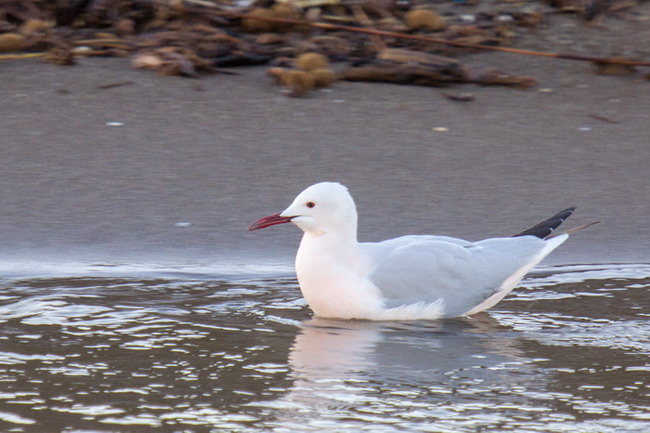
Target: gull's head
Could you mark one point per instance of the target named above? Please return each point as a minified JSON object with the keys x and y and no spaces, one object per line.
{"x":322,"y":208}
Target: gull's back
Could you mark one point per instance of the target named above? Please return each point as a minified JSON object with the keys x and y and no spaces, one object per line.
{"x":463,"y":274}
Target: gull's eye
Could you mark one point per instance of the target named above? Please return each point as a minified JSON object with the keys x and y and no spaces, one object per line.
{"x":310,"y":204}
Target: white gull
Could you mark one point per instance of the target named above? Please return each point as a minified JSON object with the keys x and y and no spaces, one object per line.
{"x":406,"y":278}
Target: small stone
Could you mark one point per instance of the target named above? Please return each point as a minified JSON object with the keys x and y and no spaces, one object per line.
{"x":80,"y":50}
{"x":147,"y":61}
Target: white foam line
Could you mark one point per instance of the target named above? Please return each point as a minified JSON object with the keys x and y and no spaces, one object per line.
{"x":218,"y":270}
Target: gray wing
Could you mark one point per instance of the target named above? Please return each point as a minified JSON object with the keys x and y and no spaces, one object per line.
{"x":463,"y":274}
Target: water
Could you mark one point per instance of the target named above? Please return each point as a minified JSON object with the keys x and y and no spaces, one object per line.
{"x":208,"y":350}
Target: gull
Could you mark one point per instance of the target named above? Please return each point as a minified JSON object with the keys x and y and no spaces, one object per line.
{"x":416,"y":277}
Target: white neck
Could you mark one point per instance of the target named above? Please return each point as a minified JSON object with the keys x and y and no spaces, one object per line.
{"x":332,"y":272}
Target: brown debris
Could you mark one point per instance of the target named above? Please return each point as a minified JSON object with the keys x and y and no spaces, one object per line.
{"x":149,"y":61}
{"x":11,"y":42}
{"x":603,"y":118}
{"x":460,"y":97}
{"x":299,"y":82}
{"x":403,"y":73}
{"x":172,"y":61}
{"x":278,"y":73}
{"x":34,"y":26}
{"x":409,"y":56}
{"x":592,"y":10}
{"x":113,"y":85}
{"x":311,"y":61}
{"x":270,"y":38}
{"x":495,"y":77}
{"x":407,"y":67}
{"x":602,"y":68}
{"x":279,"y":11}
{"x":324,"y":77}
{"x":330,"y":45}
{"x":61,"y":55}
{"x":255,"y":25}
{"x":530,"y":19}
{"x":424,"y":19}
{"x":124,"y":26}
{"x":385,"y":41}
{"x":311,"y":71}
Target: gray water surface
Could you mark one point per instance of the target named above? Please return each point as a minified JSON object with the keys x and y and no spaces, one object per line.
{"x":196,"y":350}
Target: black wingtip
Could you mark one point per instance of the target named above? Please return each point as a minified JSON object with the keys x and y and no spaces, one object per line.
{"x":546,"y":227}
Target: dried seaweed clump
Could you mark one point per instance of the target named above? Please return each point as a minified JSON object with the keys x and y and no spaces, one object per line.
{"x":310,"y":71}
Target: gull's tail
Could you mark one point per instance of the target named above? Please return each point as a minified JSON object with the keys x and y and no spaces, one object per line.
{"x":544,"y":229}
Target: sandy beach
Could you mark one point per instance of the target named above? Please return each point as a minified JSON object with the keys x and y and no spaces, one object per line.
{"x":176,"y":169}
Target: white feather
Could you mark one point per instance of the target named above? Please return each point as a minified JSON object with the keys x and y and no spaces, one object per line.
{"x":408,"y":278}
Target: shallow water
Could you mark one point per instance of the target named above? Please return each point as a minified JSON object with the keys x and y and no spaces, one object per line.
{"x":208,"y":350}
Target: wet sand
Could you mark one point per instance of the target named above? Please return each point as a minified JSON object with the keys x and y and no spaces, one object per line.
{"x":220,"y":152}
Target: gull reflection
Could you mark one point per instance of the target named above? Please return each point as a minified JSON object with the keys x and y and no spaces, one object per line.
{"x":332,"y":347}
{"x":347,"y":369}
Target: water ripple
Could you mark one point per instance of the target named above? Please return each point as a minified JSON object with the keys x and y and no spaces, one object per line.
{"x":189,"y":350}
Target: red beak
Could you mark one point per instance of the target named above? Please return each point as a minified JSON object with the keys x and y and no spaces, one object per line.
{"x":269,"y":221}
